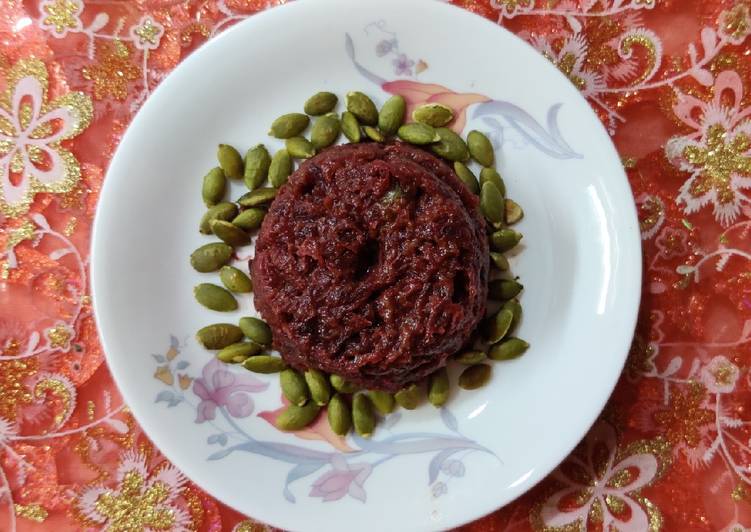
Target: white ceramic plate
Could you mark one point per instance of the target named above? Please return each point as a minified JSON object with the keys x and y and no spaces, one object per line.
{"x":425,"y":469}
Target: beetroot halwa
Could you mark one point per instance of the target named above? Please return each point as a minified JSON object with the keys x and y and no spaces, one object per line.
{"x":372,"y":264}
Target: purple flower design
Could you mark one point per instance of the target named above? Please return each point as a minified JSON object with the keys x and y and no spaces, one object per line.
{"x":219,"y":387}
{"x":403,"y":65}
{"x":385,"y":46}
{"x":342,"y":479}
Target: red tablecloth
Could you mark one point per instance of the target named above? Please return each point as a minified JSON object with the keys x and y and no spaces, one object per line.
{"x":671,"y":80}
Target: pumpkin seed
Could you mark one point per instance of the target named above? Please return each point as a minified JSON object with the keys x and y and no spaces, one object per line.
{"x":341,"y":385}
{"x":363,"y":108}
{"x":383,"y":401}
{"x":325,"y":131}
{"x":500,"y":261}
{"x":480,"y":148}
{"x":508,"y":349}
{"x":265,"y":364}
{"x":392,"y":114}
{"x":438,"y":387}
{"x":339,"y":415}
{"x":219,"y":335}
{"x":470,"y":358}
{"x":498,"y":326}
{"x":300,"y":148}
{"x":214,"y":186}
{"x":516,"y":309}
{"x":505,"y":239}
{"x":418,"y":134}
{"x":318,"y":384}
{"x":466,"y":176}
{"x":363,"y":416}
{"x":373,"y":134}
{"x":475,"y":377}
{"x":491,"y":202}
{"x":257,"y":162}
{"x":215,"y":297}
{"x":249,"y":219}
{"x":320,"y":103}
{"x":280,"y":169}
{"x":221,"y":211}
{"x":230,"y":233}
{"x":256,"y":330}
{"x":514,"y":212}
{"x":503,"y":289}
{"x":296,"y":417}
{"x":289,"y":125}
{"x":211,"y":257}
{"x":351,"y":127}
{"x":433,"y":114}
{"x":451,"y":146}
{"x":294,"y":387}
{"x":259,"y":196}
{"x":238,"y":352}
{"x":235,"y":280}
{"x":492,"y":175}
{"x":408,"y":397}
{"x":230,"y":161}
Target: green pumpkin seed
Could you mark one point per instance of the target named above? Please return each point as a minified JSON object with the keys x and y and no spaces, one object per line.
{"x":318,"y":384}
{"x":480,"y":148}
{"x":215,"y":297}
{"x":373,"y":134}
{"x":214,"y":186}
{"x":470,"y":358}
{"x":300,"y":148}
{"x":259,"y":196}
{"x":451,"y":146}
{"x":265,"y":364}
{"x":408,"y":397}
{"x":249,"y":219}
{"x":491,"y":202}
{"x":363,"y":108}
{"x":339,"y":415}
{"x":467,"y":177}
{"x":289,"y":125}
{"x":418,"y":134}
{"x":433,"y":114}
{"x":235,"y":280}
{"x":492,"y":175}
{"x":296,"y":417}
{"x":221,"y":211}
{"x":515,"y":307}
{"x":383,"y":401}
{"x":325,"y":131}
{"x":363,"y":416}
{"x":238,"y":352}
{"x":294,"y":387}
{"x":392,"y":115}
{"x":508,"y":349}
{"x":230,"y":233}
{"x":475,"y":377}
{"x":505,"y":239}
{"x":503,"y":289}
{"x":256,"y":330}
{"x":500,"y":261}
{"x":211,"y":257}
{"x":219,"y":335}
{"x":341,"y":385}
{"x":514,"y":212}
{"x":280,"y":169}
{"x":351,"y":127}
{"x":230,"y":161}
{"x":320,"y":103}
{"x":498,"y":326}
{"x":438,"y":387}
{"x":257,"y":162}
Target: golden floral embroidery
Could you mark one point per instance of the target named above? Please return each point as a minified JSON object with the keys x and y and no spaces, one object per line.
{"x":135,"y":507}
{"x":13,"y":390}
{"x":147,"y":34}
{"x":33,"y":512}
{"x":62,"y":15}
{"x":113,"y":71}
{"x":735,"y":24}
{"x":685,"y":416}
